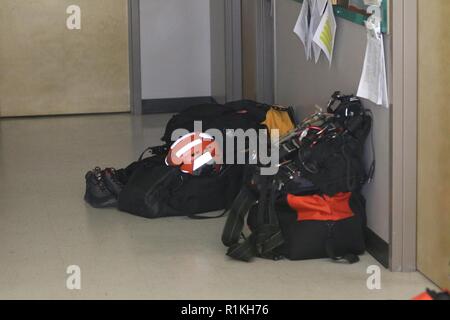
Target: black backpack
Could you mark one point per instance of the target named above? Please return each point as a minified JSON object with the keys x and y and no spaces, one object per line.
{"x":336,"y":163}
{"x":330,"y":164}
{"x":276,"y":233}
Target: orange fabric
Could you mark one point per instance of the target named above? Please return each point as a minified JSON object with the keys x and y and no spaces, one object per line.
{"x":423,"y":297}
{"x":322,"y":208}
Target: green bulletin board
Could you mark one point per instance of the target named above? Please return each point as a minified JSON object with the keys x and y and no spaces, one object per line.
{"x":359,"y":18}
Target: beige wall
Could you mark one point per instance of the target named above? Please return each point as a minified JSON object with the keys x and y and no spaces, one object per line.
{"x":47,"y":69}
{"x":434,"y":141}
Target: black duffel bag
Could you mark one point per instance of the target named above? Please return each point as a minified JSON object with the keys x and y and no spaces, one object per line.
{"x":243,"y":115}
{"x":154,"y":190}
{"x":342,"y":240}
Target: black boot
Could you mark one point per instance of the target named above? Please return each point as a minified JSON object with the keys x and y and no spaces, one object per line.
{"x":97,"y":194}
{"x":113,"y":181}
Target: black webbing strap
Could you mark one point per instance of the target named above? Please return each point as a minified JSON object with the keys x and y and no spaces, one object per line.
{"x":266,"y":237}
{"x":261,"y":243}
{"x":236,"y":217}
{"x":352,"y":183}
{"x":242,"y":251}
{"x":199,"y":216}
{"x":158,"y":150}
{"x":245,"y":251}
{"x":267,"y":234}
{"x":270,"y":234}
{"x":350,"y":258}
{"x":264,"y":184}
{"x":373,"y":165}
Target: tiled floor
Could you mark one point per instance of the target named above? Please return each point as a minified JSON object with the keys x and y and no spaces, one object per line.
{"x":45,"y":227}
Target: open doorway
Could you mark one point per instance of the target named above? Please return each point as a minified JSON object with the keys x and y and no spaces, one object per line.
{"x":184,"y":53}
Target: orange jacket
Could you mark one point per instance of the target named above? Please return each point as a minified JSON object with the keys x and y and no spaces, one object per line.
{"x":322,"y":208}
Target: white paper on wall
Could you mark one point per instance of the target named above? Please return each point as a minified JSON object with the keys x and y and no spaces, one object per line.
{"x":301,"y":29}
{"x":373,"y":84}
{"x":326,"y":33}
{"x":316,"y":16}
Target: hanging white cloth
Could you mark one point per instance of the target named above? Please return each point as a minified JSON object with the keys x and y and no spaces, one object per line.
{"x":373,"y":84}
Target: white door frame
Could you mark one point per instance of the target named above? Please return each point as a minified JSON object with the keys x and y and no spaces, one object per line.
{"x":403,"y":255}
{"x":233,"y":49}
{"x":265,"y":51}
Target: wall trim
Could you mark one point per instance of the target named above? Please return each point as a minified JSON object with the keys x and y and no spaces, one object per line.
{"x":377,"y":247}
{"x":134,"y":43}
{"x":265,"y":52}
{"x":173,"y":105}
{"x":233,"y":50}
{"x":403,"y":255}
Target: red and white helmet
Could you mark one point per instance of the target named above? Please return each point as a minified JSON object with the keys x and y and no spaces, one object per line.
{"x":195,"y":154}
